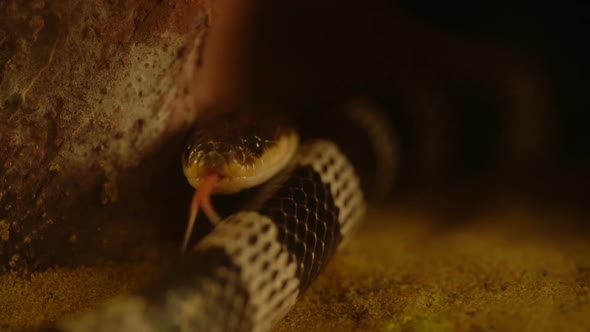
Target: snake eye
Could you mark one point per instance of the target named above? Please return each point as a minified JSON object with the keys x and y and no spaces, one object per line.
{"x":255,"y":145}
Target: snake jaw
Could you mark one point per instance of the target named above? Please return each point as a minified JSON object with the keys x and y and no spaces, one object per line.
{"x":202,"y":198}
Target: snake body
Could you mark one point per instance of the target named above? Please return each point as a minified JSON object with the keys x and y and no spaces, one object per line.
{"x":250,"y":270}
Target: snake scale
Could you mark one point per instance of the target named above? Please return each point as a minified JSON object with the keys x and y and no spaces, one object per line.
{"x":252,"y":267}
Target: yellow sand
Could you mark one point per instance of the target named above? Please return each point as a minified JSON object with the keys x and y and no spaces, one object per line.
{"x":508,"y":270}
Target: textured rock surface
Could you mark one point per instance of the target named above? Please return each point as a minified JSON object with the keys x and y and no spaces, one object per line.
{"x":89,"y":91}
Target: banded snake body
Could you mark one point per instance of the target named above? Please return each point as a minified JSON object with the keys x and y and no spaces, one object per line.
{"x":251,"y":268}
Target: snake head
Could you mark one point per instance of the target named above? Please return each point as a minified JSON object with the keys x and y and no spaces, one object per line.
{"x":243,"y":150}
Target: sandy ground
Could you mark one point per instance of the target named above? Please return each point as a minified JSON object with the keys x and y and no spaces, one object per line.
{"x":510,"y":270}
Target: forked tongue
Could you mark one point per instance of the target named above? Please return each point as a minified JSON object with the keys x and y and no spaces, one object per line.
{"x":201,"y":198}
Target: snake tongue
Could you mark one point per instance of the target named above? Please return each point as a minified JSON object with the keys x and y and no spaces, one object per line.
{"x":201,"y":198}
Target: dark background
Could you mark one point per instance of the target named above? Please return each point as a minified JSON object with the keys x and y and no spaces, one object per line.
{"x":551,"y":36}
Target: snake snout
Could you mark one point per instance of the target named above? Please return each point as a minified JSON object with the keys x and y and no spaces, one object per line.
{"x":202,"y":163}
{"x":213,"y":161}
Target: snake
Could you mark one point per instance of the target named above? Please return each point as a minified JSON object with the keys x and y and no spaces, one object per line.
{"x":308,"y":182}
